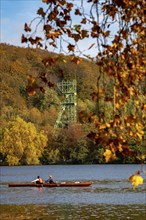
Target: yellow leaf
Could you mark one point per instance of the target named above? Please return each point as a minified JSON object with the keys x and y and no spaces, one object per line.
{"x":102,"y":126}
{"x":139,"y":126}
{"x":142,"y":156}
{"x":75,"y":60}
{"x":64,"y":61}
{"x":120,"y":148}
{"x":128,"y":124}
{"x":118,"y":105}
{"x":121,"y":127}
{"x":31,"y":79}
{"x":136,"y":180}
{"x":137,"y":102}
{"x":139,"y":135}
{"x":108,"y":155}
{"x":131,"y":91}
{"x":108,"y":125}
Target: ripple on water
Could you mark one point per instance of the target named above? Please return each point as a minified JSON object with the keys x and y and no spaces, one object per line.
{"x":73,"y":212}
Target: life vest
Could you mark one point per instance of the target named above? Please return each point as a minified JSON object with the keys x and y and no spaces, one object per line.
{"x":40,"y":180}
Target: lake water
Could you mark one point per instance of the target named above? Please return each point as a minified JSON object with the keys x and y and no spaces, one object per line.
{"x":109,"y":197}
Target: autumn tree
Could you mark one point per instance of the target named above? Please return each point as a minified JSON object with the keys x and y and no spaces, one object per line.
{"x":115,"y":30}
{"x":21,"y":143}
{"x":71,"y":144}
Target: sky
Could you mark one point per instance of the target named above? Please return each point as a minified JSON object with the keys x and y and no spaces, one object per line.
{"x":15,"y":13}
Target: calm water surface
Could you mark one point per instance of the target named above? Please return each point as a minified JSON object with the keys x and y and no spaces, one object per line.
{"x":110,"y":197}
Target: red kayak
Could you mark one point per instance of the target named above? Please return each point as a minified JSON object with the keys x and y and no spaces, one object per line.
{"x":61,"y":184}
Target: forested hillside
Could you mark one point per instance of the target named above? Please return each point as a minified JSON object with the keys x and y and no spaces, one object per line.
{"x":28,"y":117}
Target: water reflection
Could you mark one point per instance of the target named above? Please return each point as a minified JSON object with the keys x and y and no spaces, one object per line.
{"x":70,"y":212}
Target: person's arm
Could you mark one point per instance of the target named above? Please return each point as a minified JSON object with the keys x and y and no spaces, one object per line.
{"x":34,"y":180}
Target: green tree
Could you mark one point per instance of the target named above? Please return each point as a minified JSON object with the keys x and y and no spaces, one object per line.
{"x":79,"y":152}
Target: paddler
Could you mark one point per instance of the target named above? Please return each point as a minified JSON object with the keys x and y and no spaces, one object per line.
{"x":38,"y":180}
{"x":50,"y":180}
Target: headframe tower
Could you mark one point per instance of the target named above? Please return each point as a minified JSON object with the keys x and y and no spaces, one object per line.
{"x":68,"y":113}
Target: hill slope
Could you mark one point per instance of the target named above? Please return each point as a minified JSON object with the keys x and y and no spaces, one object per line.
{"x":95,"y":97}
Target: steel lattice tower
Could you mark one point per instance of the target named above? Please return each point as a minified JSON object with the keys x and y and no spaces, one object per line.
{"x":67,"y":112}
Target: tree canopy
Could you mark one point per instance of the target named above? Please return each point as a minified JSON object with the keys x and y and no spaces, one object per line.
{"x":21,"y":143}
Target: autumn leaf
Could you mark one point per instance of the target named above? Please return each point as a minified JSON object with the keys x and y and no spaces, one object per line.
{"x":143,"y":157}
{"x":106,"y":34}
{"x":47,"y":28}
{"x":69,"y":6}
{"x":131,"y":91}
{"x":23,"y":39}
{"x":49,"y":1}
{"x":60,"y":23}
{"x":140,"y":132}
{"x":76,"y":37}
{"x":53,"y":44}
{"x":31,"y":79}
{"x":67,"y":17}
{"x":45,"y":1}
{"x":38,"y":39}
{"x":84,"y":33}
{"x":71,"y":47}
{"x":49,"y":61}
{"x":120,"y":148}
{"x":41,"y":12}
{"x":136,"y":180}
{"x":109,"y":156}
{"x":84,"y":21}
{"x":77,"y":28}
{"x":120,"y":3}
{"x":77,"y":12}
{"x":35,"y":41}
{"x":64,"y":60}
{"x":76,"y":60}
{"x":31,"y":91}
{"x":144,"y":107}
{"x":27,"y":28}
{"x":32,"y":85}
{"x":139,"y":135}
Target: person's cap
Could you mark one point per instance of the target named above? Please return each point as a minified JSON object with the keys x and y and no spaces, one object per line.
{"x":50,"y":176}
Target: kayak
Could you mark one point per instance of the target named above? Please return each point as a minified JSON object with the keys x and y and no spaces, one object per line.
{"x":61,"y":184}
